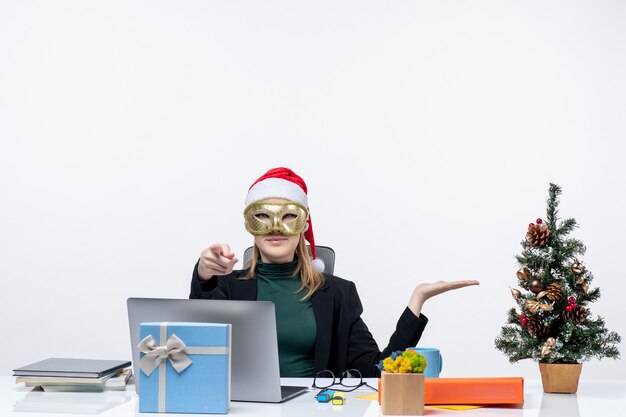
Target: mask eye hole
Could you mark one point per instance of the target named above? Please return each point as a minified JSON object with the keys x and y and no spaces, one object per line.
{"x":262,"y":217}
{"x":289,"y":217}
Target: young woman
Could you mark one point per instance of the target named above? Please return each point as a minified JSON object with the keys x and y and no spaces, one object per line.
{"x":318,"y":316}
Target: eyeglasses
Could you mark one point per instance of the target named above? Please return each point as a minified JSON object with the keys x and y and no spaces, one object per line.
{"x":351,"y":379}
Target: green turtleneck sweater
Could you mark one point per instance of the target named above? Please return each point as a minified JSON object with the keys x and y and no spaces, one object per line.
{"x":295,"y":322}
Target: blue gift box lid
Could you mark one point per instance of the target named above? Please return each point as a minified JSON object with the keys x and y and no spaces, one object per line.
{"x":212,"y":334}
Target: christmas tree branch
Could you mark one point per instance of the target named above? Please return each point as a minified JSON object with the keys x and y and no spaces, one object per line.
{"x":566,"y":227}
{"x":553,"y":203}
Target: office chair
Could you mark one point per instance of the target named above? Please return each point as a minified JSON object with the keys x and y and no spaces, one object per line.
{"x":324,"y":253}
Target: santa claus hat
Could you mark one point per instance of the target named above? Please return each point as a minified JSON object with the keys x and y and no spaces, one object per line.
{"x":284,"y":183}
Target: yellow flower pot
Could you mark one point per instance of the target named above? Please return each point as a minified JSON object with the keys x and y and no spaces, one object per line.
{"x":402,"y":394}
{"x":560,"y":377}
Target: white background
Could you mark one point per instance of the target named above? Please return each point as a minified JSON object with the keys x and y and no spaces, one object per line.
{"x":427,"y":132}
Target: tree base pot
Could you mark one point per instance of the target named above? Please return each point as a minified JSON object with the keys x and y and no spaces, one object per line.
{"x":560,"y":377}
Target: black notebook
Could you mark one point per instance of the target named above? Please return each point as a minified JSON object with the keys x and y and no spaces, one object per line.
{"x":70,"y":367}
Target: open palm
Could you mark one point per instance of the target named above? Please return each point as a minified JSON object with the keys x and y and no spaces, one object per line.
{"x":427,"y":290}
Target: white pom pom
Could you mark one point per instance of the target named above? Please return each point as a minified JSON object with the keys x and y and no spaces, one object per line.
{"x":318,"y":265}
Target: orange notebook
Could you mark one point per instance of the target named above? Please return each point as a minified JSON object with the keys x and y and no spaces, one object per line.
{"x":468,"y":391}
{"x":471,"y":391}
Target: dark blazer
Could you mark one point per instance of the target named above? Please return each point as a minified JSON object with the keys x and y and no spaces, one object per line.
{"x":342,"y":340}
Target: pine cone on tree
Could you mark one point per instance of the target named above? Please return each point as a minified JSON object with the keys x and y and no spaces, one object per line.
{"x":536,"y":327}
{"x":578,"y":314}
{"x":553,"y":292}
{"x":538,"y":234}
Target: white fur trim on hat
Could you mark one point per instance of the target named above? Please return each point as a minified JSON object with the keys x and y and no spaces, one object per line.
{"x":318,"y":265}
{"x":276,"y":188}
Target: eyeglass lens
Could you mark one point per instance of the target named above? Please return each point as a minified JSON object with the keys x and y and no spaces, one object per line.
{"x":324,"y":379}
{"x":351,"y":378}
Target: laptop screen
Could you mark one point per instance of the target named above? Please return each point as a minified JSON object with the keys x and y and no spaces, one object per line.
{"x":255,"y":369}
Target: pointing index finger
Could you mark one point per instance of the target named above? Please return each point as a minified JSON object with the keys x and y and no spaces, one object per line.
{"x":216,"y":248}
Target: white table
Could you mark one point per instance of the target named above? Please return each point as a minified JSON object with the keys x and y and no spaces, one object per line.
{"x":594,"y":399}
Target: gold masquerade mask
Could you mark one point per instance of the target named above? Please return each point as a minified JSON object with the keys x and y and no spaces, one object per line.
{"x":289,"y":218}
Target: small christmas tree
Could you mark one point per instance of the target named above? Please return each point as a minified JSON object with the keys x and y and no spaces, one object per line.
{"x":554,"y":322}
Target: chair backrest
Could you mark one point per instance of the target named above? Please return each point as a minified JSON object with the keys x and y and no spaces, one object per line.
{"x":324,"y":253}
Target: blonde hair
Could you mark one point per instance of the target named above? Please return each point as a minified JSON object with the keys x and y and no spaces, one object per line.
{"x":310,"y":278}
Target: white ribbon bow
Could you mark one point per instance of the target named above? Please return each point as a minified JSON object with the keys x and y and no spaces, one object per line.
{"x":174,"y":350}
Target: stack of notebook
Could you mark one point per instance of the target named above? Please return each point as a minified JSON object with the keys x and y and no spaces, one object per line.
{"x":68,"y":374}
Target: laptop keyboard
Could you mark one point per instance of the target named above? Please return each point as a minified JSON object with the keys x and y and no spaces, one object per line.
{"x":287,"y":391}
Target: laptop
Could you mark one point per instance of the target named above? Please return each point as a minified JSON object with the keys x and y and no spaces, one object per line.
{"x":255,"y":374}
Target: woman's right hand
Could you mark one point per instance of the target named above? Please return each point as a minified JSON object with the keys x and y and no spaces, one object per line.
{"x":217,"y":259}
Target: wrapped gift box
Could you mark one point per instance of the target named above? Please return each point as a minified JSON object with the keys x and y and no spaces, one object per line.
{"x":470,"y":391}
{"x":497,"y":390}
{"x":192,"y":377}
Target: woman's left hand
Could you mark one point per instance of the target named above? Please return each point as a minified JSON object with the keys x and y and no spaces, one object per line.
{"x":425,"y":291}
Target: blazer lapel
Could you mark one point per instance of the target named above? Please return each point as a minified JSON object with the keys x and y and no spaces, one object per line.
{"x":322,"y":303}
